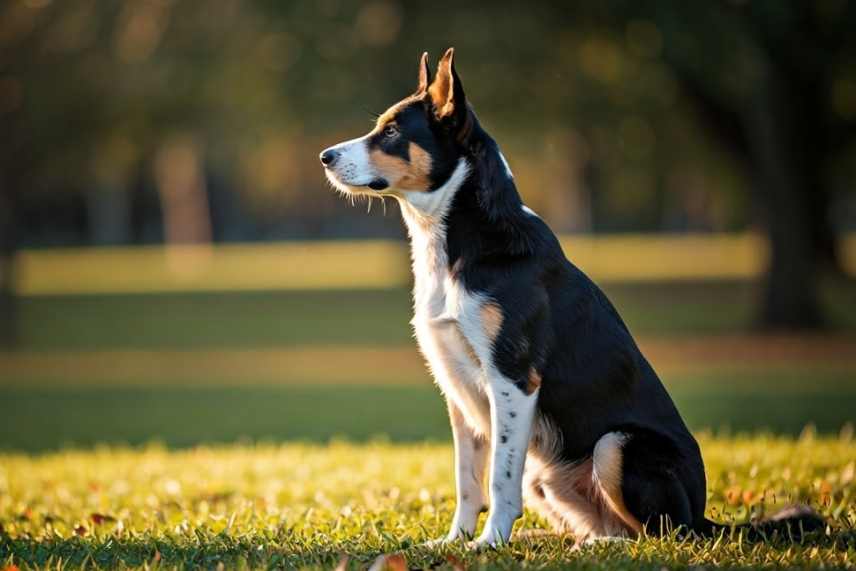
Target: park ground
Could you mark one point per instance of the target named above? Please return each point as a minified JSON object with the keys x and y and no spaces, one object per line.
{"x":284,"y":429}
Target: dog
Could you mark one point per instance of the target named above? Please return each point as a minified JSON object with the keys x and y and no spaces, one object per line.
{"x":547,"y":392}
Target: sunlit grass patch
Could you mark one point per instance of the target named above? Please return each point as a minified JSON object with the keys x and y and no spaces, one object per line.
{"x":304,"y":505}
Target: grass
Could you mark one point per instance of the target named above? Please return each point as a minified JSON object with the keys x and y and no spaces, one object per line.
{"x":299,"y":505}
{"x":219,"y":381}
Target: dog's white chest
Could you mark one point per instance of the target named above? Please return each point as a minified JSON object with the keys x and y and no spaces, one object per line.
{"x":451,"y":356}
{"x":450,"y":331}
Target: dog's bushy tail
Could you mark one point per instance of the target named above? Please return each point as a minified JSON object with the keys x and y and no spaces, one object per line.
{"x":792,"y":522}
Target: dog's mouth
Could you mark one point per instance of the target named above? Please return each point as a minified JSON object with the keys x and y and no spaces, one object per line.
{"x":378,"y":184}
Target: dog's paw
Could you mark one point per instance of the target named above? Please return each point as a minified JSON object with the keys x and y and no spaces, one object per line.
{"x":486,"y":541}
{"x":441,"y":541}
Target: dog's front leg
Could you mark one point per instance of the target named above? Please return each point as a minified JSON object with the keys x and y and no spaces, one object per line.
{"x":512,"y":412}
{"x":470,"y":464}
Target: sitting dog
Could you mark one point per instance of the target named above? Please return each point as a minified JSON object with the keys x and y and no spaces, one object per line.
{"x":546,"y":389}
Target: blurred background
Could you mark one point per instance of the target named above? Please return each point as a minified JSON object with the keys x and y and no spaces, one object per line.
{"x":174,"y":267}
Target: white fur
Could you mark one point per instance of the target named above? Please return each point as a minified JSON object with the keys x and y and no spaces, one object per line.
{"x":505,"y":164}
{"x":442,"y":308}
{"x":353,"y":167}
{"x":433,"y":205}
{"x":470,"y":464}
{"x":529,"y":211}
{"x":512,"y":416}
{"x":454,"y":339}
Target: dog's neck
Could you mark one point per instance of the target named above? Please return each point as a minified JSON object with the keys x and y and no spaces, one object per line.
{"x":424,"y":214}
{"x":476,"y":213}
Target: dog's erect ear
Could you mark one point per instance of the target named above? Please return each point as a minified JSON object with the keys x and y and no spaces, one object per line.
{"x":446,"y":91}
{"x":424,"y":74}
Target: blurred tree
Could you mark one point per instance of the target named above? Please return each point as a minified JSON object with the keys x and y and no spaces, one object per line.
{"x":770,"y":81}
{"x":584,"y":96}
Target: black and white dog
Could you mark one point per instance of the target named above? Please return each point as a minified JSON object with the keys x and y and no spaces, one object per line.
{"x":546,"y":388}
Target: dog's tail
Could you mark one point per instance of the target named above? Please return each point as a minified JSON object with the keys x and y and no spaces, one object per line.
{"x":791,"y":522}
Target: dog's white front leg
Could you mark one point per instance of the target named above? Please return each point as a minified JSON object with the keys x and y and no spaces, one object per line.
{"x":512,"y":412}
{"x":470,"y":464}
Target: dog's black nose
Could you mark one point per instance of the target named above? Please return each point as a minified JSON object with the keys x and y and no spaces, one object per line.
{"x":328,"y":156}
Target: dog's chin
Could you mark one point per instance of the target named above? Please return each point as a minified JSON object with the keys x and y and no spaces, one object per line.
{"x":370,"y":187}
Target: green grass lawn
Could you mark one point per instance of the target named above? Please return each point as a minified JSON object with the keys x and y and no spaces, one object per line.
{"x":304,"y":506}
{"x":116,"y":452}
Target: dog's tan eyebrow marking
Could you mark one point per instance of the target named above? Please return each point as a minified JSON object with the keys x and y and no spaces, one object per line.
{"x":389,"y":115}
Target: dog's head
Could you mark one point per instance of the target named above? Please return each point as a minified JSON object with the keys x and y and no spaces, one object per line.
{"x":415,"y":145}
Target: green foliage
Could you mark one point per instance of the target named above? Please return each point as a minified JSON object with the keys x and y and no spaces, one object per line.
{"x":94,"y":89}
{"x":303,"y":506}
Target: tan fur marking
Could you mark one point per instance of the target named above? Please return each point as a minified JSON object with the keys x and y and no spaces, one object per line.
{"x":389,"y":115}
{"x":563,"y":493}
{"x":607,"y":473}
{"x":491,"y":316}
{"x":440,"y":89}
{"x":404,"y":175}
{"x":534,"y":381}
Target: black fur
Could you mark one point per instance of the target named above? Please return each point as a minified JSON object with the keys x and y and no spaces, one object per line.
{"x":595,"y":380}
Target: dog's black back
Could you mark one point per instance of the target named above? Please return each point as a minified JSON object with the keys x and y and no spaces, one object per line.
{"x":594,"y":378}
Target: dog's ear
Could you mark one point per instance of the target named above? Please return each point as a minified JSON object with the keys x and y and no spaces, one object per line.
{"x":424,"y":74}
{"x":447,"y":92}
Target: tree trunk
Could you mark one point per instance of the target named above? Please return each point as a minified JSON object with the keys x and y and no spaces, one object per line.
{"x":784,"y":187}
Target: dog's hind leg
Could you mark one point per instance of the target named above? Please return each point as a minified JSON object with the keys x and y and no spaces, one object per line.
{"x":636,"y":475}
{"x":567,"y":496}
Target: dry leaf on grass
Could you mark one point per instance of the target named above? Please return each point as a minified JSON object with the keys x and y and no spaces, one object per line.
{"x":392,"y":562}
{"x":343,"y":563}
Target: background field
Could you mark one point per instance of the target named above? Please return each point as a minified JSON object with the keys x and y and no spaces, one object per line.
{"x":312,"y":365}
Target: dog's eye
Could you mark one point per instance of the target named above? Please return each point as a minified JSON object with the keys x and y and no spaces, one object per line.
{"x":390,"y":131}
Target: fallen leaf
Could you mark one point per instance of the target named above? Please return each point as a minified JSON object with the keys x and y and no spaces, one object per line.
{"x":98,"y":518}
{"x":393,"y":562}
{"x":456,"y":563}
{"x":343,"y":563}
{"x":732,"y":495}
